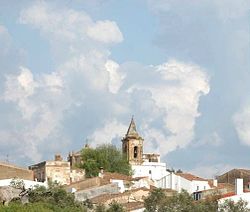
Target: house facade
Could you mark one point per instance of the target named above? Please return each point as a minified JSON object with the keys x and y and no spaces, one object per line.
{"x":179,"y":181}
{"x":56,"y":170}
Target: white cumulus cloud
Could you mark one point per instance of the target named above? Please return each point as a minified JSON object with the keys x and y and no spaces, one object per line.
{"x":115,"y":76}
{"x":92,"y":95}
{"x":40,"y":107}
{"x":105,"y":31}
{"x":110,"y":130}
{"x":211,"y":171}
{"x":178,"y":96}
{"x":241,"y":122}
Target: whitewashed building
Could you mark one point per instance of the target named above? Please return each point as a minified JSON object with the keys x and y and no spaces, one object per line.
{"x":186,"y":181}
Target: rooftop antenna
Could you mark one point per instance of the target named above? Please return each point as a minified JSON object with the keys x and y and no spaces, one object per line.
{"x":7,"y":158}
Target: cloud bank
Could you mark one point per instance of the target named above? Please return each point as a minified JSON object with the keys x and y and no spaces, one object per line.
{"x":90,"y":95}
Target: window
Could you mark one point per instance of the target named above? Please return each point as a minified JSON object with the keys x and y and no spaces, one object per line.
{"x":149,"y":171}
{"x":197,"y":195}
{"x":135,"y":151}
{"x":198,"y":188}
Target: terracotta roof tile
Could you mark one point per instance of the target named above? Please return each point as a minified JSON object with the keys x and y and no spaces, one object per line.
{"x":190,"y":177}
{"x":229,"y":194}
{"x":116,"y":176}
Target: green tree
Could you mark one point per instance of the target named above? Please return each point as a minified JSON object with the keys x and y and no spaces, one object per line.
{"x":88,"y":204}
{"x":178,"y":202}
{"x":155,"y":200}
{"x":115,"y":207}
{"x":106,"y":156}
{"x":208,"y":204}
{"x":55,"y":198}
{"x":183,"y":202}
{"x":100,"y":208}
{"x":39,"y":207}
{"x":231,"y":206}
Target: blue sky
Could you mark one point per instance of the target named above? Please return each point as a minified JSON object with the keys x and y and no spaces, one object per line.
{"x":78,"y":70}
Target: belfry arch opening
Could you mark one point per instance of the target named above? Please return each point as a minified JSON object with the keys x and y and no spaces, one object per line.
{"x":135,"y":151}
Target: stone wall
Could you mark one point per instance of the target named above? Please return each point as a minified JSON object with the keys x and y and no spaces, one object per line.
{"x":8,"y":171}
{"x":97,"y":191}
{"x":77,"y":175}
{"x":58,"y":171}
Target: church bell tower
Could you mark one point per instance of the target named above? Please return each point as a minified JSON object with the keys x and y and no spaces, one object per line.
{"x":132,"y":145}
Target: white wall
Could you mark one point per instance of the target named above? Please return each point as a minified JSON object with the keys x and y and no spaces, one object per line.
{"x":177,"y":183}
{"x":120,"y":184}
{"x":239,"y":194}
{"x":199,"y":185}
{"x":153,"y":170}
{"x":144,"y":182}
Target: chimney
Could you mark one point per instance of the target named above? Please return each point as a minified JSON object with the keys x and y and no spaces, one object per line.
{"x":101,"y":172}
{"x":58,"y":157}
{"x":215,"y":182}
{"x":238,"y":186}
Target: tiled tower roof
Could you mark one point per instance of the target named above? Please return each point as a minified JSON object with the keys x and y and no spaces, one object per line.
{"x":132,"y":129}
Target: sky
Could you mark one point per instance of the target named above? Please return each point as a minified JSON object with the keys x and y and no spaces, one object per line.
{"x":75,"y":71}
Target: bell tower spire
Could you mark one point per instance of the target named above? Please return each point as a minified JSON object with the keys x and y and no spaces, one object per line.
{"x":132,"y":144}
{"x":132,"y":128}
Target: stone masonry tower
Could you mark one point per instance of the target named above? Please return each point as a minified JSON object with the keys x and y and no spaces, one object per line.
{"x":132,"y":145}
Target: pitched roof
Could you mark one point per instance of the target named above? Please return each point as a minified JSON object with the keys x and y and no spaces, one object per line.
{"x":230,"y":194}
{"x":190,"y":177}
{"x":116,"y":176}
{"x":132,"y":129}
{"x":105,"y":197}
